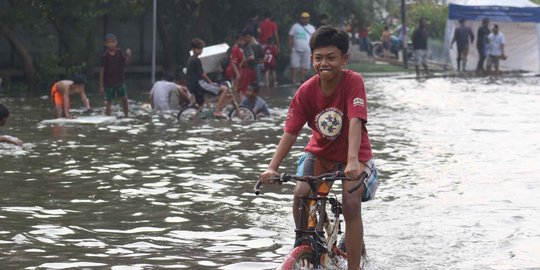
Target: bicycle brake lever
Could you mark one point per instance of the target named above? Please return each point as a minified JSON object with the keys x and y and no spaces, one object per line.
{"x":257,"y":187}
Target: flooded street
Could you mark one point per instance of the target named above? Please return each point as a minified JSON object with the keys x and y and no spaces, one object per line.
{"x":459,"y":165}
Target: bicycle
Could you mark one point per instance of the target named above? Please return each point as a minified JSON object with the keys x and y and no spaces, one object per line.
{"x":312,"y":249}
{"x":237,"y":112}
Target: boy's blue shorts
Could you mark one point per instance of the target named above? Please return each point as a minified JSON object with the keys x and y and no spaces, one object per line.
{"x":309,"y":164}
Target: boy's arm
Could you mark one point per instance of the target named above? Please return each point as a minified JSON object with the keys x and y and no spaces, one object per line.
{"x":101,"y":87}
{"x":206,"y":78}
{"x":353,"y":168}
{"x":276,"y":37}
{"x":151,"y":99}
{"x":283,"y":148}
{"x":9,"y":139}
{"x":85,"y":100}
{"x":128,"y":56}
{"x":65,"y":94}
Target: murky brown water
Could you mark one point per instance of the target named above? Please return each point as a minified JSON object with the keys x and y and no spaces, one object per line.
{"x":459,"y":163}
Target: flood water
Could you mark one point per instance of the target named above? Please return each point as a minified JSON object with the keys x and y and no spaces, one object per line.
{"x":459,"y":165}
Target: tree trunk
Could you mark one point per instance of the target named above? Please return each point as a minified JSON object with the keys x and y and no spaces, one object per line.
{"x":201,"y":21}
{"x":28,"y":64}
{"x":164,"y":35}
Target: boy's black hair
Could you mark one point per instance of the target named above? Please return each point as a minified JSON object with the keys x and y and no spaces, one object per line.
{"x":330,"y":36}
{"x":110,"y":36}
{"x":4,"y":112}
{"x":168,"y":77}
{"x":461,"y":20}
{"x":79,"y":79}
{"x":255,"y":88}
{"x":197,"y":43}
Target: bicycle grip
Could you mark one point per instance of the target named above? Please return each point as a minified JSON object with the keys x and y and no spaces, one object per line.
{"x":360,"y":182}
{"x":257,"y":187}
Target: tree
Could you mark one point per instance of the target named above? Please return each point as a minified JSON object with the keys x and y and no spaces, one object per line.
{"x":7,"y":20}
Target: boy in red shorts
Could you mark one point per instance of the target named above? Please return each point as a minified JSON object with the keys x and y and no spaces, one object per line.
{"x":333,"y":103}
{"x":60,"y":93}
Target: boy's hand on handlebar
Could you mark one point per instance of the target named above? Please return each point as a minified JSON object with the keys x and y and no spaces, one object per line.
{"x":353,"y":169}
{"x":266,"y":176}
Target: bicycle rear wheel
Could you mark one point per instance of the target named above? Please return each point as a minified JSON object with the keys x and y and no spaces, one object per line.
{"x":242,"y":113}
{"x":187,"y":113}
{"x":300,"y":258}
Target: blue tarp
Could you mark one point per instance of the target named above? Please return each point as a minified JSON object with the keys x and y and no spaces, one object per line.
{"x":494,"y":13}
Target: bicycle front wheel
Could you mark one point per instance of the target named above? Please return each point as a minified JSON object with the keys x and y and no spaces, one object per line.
{"x":187,"y":113}
{"x":242,"y":113}
{"x":300,"y":258}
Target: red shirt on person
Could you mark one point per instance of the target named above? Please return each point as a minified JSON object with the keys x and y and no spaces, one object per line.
{"x":328,"y":117}
{"x":268,"y":28}
{"x":236,"y":57}
{"x":270,"y":54}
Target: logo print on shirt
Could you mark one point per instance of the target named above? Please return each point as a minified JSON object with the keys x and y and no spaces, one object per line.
{"x":329,"y":123}
{"x":358,"y":102}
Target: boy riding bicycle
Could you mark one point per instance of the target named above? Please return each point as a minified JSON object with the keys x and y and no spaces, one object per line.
{"x":199,"y":82}
{"x":333,"y":103}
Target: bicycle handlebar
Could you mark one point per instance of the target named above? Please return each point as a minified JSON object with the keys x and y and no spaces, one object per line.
{"x":327,"y":177}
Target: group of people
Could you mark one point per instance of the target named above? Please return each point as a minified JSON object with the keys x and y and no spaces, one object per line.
{"x":489,"y":43}
{"x":251,"y":62}
{"x":332,"y":102}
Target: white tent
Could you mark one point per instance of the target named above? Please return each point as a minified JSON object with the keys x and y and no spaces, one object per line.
{"x":518,"y":20}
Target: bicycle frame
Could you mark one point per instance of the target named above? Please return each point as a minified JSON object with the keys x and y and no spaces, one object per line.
{"x":314,"y":220}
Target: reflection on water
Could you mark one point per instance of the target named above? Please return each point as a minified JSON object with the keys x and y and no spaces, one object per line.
{"x":458,"y":159}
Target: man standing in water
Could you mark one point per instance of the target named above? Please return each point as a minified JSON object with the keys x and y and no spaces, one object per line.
{"x":333,"y":103}
{"x":496,"y":50}
{"x":481,"y":40}
{"x":299,"y":36}
{"x":461,"y":36}
{"x":419,"y":42}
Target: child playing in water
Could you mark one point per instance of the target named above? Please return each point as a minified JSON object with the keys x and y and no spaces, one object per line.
{"x":198,"y":81}
{"x":60,"y":93}
{"x":270,"y":54}
{"x":254,"y":102}
{"x":4,"y":114}
{"x":111,"y":74}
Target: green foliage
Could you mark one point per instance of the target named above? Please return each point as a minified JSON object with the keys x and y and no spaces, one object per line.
{"x":435,"y":15}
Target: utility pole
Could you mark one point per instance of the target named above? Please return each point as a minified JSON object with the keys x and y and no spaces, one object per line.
{"x":154,"y":21}
{"x":404,"y":31}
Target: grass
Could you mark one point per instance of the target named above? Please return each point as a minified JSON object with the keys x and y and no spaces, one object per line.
{"x":367,"y":67}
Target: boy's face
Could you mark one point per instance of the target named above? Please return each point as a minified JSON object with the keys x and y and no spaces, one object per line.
{"x":328,"y":62}
{"x":111,"y":44}
{"x":197,"y":51}
{"x":250,"y":93}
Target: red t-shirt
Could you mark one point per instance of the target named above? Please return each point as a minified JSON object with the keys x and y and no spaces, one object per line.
{"x":236,"y":57}
{"x":328,"y":117}
{"x":268,"y":28}
{"x":270,"y":53}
